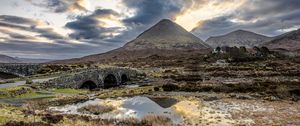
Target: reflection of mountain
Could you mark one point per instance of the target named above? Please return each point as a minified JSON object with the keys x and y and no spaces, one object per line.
{"x":8,"y":59}
{"x":238,"y":38}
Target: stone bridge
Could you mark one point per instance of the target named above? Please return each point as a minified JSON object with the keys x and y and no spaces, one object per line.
{"x":19,"y":69}
{"x":94,"y":78}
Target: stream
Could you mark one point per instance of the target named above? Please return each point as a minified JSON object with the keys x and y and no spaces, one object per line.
{"x":126,"y":108}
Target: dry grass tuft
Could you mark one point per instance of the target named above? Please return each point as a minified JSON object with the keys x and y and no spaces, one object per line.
{"x":96,"y":109}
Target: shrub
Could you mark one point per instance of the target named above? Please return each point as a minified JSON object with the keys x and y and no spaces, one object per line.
{"x":154,"y":120}
{"x":156,"y":88}
{"x":96,"y":109}
{"x":54,"y":119}
{"x":28,"y":81}
{"x":170,"y":87}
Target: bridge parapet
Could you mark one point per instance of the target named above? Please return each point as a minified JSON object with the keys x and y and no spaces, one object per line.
{"x":96,"y":78}
{"x":19,"y":69}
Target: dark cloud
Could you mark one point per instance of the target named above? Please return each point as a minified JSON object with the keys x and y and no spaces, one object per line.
{"x":49,"y":50}
{"x":91,"y":27}
{"x":150,"y":11}
{"x":59,"y":6}
{"x":17,"y":20}
{"x":265,"y":17}
{"x":28,"y":25}
{"x":15,"y":35}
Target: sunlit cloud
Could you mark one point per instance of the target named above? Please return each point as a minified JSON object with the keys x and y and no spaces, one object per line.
{"x":59,"y":6}
{"x":201,"y":10}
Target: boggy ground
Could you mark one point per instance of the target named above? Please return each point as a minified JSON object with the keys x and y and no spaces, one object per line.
{"x":264,"y":92}
{"x":196,"y":108}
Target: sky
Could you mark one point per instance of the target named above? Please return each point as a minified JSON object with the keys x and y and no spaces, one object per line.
{"x":61,"y":29}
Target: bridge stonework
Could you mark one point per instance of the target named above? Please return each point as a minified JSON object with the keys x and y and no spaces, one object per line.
{"x":19,"y":69}
{"x":96,"y":76}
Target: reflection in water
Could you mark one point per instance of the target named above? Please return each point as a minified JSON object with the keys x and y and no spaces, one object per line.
{"x":135,"y":107}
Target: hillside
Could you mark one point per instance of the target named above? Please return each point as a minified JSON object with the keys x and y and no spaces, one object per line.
{"x":166,"y":35}
{"x":238,"y":38}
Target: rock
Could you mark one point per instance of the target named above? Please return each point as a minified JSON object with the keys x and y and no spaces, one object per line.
{"x":243,"y":97}
{"x":213,"y":98}
{"x":271,"y":98}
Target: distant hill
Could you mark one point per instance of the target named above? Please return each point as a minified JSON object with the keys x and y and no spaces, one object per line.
{"x":165,"y":38}
{"x":289,"y":41}
{"x":238,"y":38}
{"x":8,"y":59}
{"x":166,"y":35}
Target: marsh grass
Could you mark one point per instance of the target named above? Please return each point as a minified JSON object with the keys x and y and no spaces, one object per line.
{"x":96,"y":109}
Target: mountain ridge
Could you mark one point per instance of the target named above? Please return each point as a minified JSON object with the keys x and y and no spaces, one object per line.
{"x":9,"y":59}
{"x":289,"y":41}
{"x":238,"y":38}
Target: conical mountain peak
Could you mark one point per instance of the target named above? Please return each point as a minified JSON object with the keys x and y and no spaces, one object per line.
{"x":166,"y":35}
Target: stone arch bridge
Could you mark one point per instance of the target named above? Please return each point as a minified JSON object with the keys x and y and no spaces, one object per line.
{"x":19,"y":69}
{"x":94,"y":78}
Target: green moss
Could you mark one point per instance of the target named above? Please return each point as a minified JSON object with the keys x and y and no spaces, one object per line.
{"x":29,"y":95}
{"x":68,"y":91}
{"x":111,"y":93}
{"x":3,"y":118}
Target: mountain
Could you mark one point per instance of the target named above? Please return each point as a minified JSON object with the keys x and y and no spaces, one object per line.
{"x":8,"y":59}
{"x":289,"y":41}
{"x":164,"y":39}
{"x":238,"y":38}
{"x":166,"y":35}
{"x":27,"y":60}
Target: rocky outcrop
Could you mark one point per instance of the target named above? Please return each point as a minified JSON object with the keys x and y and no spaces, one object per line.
{"x":20,"y":69}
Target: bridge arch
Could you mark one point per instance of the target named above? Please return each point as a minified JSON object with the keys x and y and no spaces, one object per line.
{"x":88,"y":85}
{"x":124,"y":78}
{"x":110,"y":80}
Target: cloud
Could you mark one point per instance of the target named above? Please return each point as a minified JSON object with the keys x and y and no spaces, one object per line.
{"x":113,"y":24}
{"x":102,"y":24}
{"x":265,"y":17}
{"x":150,"y":11}
{"x":30,"y":49}
{"x":25,"y":28}
{"x":20,"y":20}
{"x":60,"y":6}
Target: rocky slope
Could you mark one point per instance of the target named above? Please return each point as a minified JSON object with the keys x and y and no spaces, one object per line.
{"x":238,"y":38}
{"x":288,"y":41}
{"x":166,"y":35}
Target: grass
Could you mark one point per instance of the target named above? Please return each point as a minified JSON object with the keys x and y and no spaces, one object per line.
{"x":8,"y":81}
{"x":68,"y":91}
{"x":113,"y":93}
{"x":96,"y":109}
{"x":9,"y":113}
{"x":29,"y":95}
{"x":14,"y":91}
